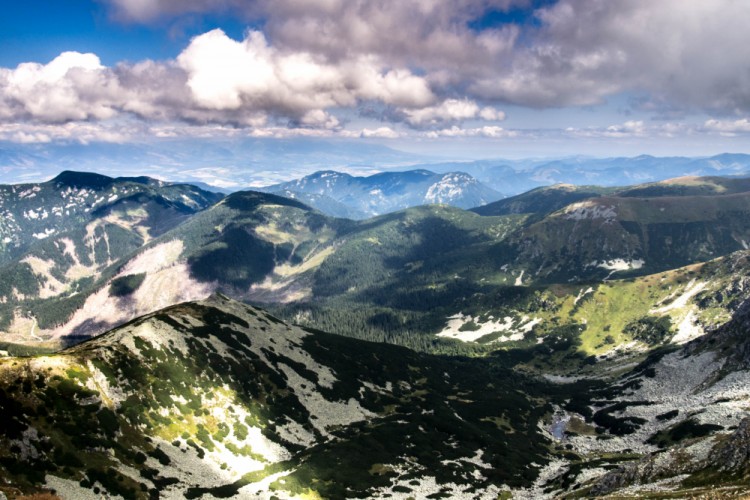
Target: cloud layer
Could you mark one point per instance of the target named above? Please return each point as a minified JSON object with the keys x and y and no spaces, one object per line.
{"x":438,"y":67}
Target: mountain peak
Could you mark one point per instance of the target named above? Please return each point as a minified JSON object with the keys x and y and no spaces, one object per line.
{"x":83,"y":179}
{"x":250,"y":200}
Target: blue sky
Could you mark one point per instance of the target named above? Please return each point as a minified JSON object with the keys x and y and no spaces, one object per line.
{"x":462,"y":78}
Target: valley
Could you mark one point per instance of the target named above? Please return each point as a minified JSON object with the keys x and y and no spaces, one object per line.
{"x":566,"y":342}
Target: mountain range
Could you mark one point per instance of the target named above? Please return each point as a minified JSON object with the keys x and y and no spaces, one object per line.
{"x":569,"y":341}
{"x":385,"y":192}
{"x":513,"y":177}
{"x":232,"y":164}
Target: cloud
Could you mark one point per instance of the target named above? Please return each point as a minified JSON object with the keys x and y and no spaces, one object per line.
{"x":146,"y":11}
{"x":450,"y":110}
{"x":636,"y":129}
{"x":227,"y":75}
{"x":728,"y":127}
{"x":83,"y":132}
{"x":380,"y":132}
{"x":685,"y":54}
{"x":214,"y":80}
{"x":492,"y":131}
{"x":681,"y":55}
{"x":73,"y":86}
{"x":427,"y":64}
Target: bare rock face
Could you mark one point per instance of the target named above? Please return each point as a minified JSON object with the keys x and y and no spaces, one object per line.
{"x":733,"y":455}
{"x":728,"y":455}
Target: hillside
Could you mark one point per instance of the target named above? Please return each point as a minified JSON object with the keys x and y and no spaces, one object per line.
{"x":62,"y":236}
{"x":269,"y":249}
{"x":591,"y":238}
{"x":221,"y":398}
{"x":432,"y":278}
{"x":388,"y":191}
{"x":541,"y":201}
{"x":683,"y":416}
{"x":72,"y":200}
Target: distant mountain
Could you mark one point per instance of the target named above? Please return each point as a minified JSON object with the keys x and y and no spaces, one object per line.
{"x":517,"y":176}
{"x":324,"y":203}
{"x":391,"y":191}
{"x":228,"y":163}
{"x":221,"y":399}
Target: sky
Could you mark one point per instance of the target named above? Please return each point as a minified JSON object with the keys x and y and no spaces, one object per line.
{"x":457,"y":78}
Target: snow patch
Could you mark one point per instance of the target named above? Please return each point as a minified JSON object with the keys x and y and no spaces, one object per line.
{"x":588,"y":210}
{"x":507,"y":324}
{"x":582,"y":293}
{"x":618,"y":264}
{"x":692,"y":289}
{"x":688,"y":329}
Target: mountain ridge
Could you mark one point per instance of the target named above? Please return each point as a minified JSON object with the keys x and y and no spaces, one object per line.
{"x":385,"y":192}
{"x":215,"y":396}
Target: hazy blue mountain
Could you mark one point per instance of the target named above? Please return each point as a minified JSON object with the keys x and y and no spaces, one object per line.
{"x":512,"y":177}
{"x":324,"y":203}
{"x":390,"y":191}
{"x":224,"y":163}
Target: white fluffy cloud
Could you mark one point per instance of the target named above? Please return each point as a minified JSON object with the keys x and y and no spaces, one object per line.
{"x":380,"y":132}
{"x":214,"y":80}
{"x":489,"y":131}
{"x":73,"y":86}
{"x":224,"y":74}
{"x":426,"y":64}
{"x":728,"y":127}
{"x":684,"y":54}
{"x":451,"y":110}
{"x":82,"y":132}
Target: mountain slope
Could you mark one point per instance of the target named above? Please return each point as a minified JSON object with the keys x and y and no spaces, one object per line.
{"x":683,"y":414}
{"x":33,"y":212}
{"x":542,"y":201}
{"x":265,"y":248}
{"x":391,"y":191}
{"x":323,"y":203}
{"x":407,"y":276}
{"x":64,"y":235}
{"x":591,"y":238}
{"x":221,"y":398}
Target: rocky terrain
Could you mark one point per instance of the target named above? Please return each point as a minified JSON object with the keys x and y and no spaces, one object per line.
{"x":216,"y":398}
{"x":578,"y":342}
